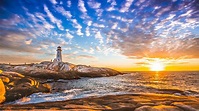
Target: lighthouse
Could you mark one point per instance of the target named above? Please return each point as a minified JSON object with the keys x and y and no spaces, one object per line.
{"x":59,"y":56}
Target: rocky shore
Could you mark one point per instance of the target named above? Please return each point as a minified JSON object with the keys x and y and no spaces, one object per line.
{"x":14,"y":86}
{"x":17,"y":81}
{"x":58,"y":70}
{"x":20,"y":81}
{"x":127,"y":102}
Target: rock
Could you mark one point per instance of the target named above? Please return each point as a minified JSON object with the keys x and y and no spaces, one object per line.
{"x":12,"y":75}
{"x":5,"y":67}
{"x":126,"y":102}
{"x":165,"y":108}
{"x":59,"y":70}
{"x":5,"y":79}
{"x":42,"y":73}
{"x":87,"y":71}
{"x":2,"y":92}
{"x":18,"y":86}
{"x":158,"y":108}
{"x":144,"y":108}
{"x":60,"y":66}
{"x":183,"y":106}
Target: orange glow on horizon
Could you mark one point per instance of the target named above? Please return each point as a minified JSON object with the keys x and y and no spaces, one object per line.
{"x":158,"y":64}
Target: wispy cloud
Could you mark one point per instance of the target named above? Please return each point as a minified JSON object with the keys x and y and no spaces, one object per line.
{"x":88,"y":23}
{"x":137,"y":28}
{"x":65,"y":13}
{"x":93,"y":4}
{"x":7,"y":38}
{"x":87,"y":31}
{"x":69,"y":3}
{"x":114,"y":26}
{"x":42,"y":19}
{"x":126,"y":6}
{"x":53,"y":2}
{"x":98,"y":25}
{"x":81,"y":6}
{"x":144,"y":45}
{"x":19,"y":59}
{"x":13,"y":20}
{"x":79,"y":32}
{"x":28,"y":42}
{"x":112,"y":7}
{"x":53,"y":19}
{"x":68,"y":35}
{"x":99,"y":37}
{"x":86,"y":57}
{"x":77,"y":26}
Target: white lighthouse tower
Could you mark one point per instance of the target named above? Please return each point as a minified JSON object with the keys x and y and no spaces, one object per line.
{"x":59,"y":56}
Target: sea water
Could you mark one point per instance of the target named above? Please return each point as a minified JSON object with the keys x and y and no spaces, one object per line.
{"x":174,"y":83}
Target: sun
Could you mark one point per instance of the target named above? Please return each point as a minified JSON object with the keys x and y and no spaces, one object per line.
{"x":157,"y":66}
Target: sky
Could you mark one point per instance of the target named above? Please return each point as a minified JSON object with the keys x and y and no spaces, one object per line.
{"x":127,"y":35}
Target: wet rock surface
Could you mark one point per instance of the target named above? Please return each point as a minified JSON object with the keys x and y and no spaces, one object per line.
{"x":128,"y":102}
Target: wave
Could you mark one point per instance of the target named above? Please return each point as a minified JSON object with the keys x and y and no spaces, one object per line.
{"x":134,"y":83}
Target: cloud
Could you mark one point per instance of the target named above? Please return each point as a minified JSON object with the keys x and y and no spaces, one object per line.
{"x":112,"y":7}
{"x":13,"y":20}
{"x":139,"y":29}
{"x":98,"y":48}
{"x":53,"y":2}
{"x":87,"y":31}
{"x":93,"y":4}
{"x":98,"y":25}
{"x":65,"y":13}
{"x":126,"y":6}
{"x":81,"y":6}
{"x":28,"y":42}
{"x":114,"y":26}
{"x":76,"y":24}
{"x":18,"y":59}
{"x":16,"y":41}
{"x":143,"y":63}
{"x":169,"y":34}
{"x":85,"y":57}
{"x":39,"y":21}
{"x":79,"y":32}
{"x":89,"y":23}
{"x":68,"y":35}
{"x":86,"y":50}
{"x":99,"y":37}
{"x":91,"y":50}
{"x":53,"y":19}
{"x":145,"y":45}
{"x":62,"y":41}
{"x":69,"y":3}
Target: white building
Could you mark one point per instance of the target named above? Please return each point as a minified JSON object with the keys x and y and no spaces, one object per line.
{"x":59,"y":55}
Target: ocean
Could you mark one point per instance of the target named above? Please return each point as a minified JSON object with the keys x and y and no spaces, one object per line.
{"x":174,"y":83}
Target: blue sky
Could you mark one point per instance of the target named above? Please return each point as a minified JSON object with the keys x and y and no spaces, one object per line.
{"x":99,"y":32}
